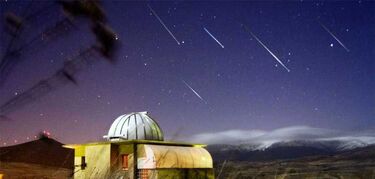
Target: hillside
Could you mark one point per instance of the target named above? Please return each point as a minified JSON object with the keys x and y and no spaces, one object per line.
{"x":281,"y":150}
{"x":357,"y":163}
{"x":44,"y":151}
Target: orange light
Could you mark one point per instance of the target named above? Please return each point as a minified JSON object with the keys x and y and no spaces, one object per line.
{"x":125,"y":161}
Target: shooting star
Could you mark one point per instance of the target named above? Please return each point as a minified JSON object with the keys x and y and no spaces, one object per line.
{"x":269,"y":51}
{"x":162,"y":23}
{"x":199,"y":96}
{"x":333,"y":35}
{"x":208,"y":32}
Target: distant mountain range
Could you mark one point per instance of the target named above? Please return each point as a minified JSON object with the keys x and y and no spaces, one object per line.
{"x":297,"y":159}
{"x":281,"y":150}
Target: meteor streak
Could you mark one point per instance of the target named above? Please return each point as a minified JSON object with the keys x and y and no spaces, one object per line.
{"x":199,"y":96}
{"x":333,"y":35}
{"x":208,"y":32}
{"x":269,"y":51}
{"x":162,"y":23}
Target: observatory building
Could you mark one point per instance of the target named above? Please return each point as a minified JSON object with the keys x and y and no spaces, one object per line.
{"x":135,"y":148}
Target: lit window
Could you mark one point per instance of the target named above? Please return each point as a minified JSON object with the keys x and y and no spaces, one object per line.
{"x":125,"y":161}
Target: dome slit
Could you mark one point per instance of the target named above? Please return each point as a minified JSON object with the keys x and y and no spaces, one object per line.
{"x":127,"y":130}
{"x":136,"y":126}
{"x":144,"y":127}
{"x":118,"y":122}
{"x":122,"y":127}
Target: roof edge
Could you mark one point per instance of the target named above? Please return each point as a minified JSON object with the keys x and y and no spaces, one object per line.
{"x":171,"y":143}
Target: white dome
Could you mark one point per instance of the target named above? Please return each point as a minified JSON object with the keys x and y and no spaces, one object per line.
{"x":134,"y":126}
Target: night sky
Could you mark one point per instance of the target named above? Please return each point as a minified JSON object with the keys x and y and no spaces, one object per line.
{"x":241,"y":86}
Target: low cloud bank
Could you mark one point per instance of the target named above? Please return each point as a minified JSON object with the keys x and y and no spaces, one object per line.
{"x":265,"y":138}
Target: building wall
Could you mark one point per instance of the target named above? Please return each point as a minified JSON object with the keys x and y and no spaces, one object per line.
{"x":105,"y":161}
{"x":116,"y":161}
{"x":79,"y":152}
{"x":77,"y":169}
{"x":97,"y":159}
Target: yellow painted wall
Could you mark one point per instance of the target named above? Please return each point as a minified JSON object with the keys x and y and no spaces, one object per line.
{"x":159,"y":156}
{"x":116,"y":168}
{"x":79,"y":151}
{"x":78,"y":172}
{"x":97,"y":161}
{"x":105,"y":161}
{"x":126,"y":148}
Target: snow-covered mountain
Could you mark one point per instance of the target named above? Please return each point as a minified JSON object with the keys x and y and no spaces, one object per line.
{"x":282,"y":150}
{"x":335,"y":145}
{"x":256,"y":139}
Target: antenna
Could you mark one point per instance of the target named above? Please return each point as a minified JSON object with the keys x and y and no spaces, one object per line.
{"x":105,"y":47}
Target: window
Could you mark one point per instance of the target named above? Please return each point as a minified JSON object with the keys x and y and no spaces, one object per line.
{"x":125,"y":161}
